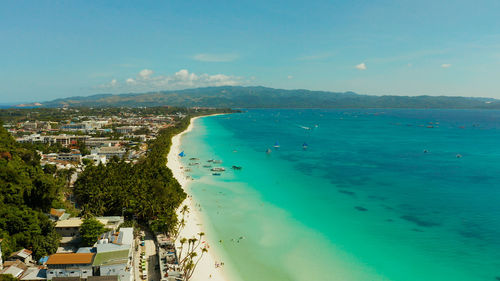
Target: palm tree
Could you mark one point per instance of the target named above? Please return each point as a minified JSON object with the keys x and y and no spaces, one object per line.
{"x":182,"y":241}
{"x":203,"y":250}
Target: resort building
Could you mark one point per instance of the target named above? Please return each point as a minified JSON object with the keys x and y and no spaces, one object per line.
{"x":109,"y":152}
{"x":70,"y":265}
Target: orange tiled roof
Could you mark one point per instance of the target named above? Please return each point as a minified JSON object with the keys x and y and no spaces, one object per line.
{"x":71,"y":258}
{"x":56,"y":213}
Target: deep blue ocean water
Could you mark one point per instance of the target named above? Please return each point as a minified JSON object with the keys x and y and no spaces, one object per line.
{"x":377,"y":194}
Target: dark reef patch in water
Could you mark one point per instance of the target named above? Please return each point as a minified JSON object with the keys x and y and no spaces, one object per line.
{"x":352,"y":193}
{"x":362,"y":209}
{"x":419,"y":221}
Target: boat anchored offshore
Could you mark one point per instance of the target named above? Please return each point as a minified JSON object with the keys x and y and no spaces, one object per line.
{"x":237,"y":167}
{"x":217,"y":161}
{"x":268,"y":151}
{"x":218,"y":169}
{"x":304,"y":146}
{"x":276,"y":145}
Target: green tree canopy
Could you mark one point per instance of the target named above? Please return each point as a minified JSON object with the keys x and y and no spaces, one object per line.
{"x":90,"y":230}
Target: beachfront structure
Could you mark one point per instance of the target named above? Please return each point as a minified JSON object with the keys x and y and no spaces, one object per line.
{"x":70,"y":265}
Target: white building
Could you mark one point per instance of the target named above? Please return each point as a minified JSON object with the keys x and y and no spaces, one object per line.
{"x":70,"y":265}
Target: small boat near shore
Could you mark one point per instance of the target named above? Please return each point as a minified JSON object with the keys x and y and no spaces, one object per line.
{"x":207,"y":166}
{"x":237,"y":167}
{"x":218,"y":169}
{"x":216,"y":174}
{"x":194,"y":164}
{"x":217,"y":161}
{"x":194,"y":159}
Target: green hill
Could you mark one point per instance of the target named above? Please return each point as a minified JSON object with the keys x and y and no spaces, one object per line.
{"x":262,"y":97}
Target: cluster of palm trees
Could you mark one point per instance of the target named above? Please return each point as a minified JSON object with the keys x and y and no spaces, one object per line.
{"x":190,"y":259}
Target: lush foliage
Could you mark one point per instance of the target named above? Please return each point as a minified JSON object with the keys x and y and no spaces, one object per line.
{"x":7,"y":277}
{"x":145,"y":191}
{"x":90,"y":231}
{"x":26,"y":193}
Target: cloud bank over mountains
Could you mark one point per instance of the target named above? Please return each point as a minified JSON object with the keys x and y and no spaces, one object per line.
{"x":146,"y":80}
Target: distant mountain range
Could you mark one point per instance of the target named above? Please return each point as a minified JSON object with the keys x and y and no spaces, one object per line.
{"x":263,"y":97}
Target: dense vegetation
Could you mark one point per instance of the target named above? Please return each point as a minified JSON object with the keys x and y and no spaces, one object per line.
{"x":262,"y":97}
{"x":146,"y":191}
{"x":90,"y":230}
{"x":14,"y":115}
{"x":26,"y":193}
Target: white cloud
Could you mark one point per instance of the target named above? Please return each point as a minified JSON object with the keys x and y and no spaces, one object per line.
{"x":216,"y":57}
{"x":361,"y":66}
{"x":446,"y":65}
{"x":145,"y":73}
{"x":290,"y":77}
{"x":182,"y":79}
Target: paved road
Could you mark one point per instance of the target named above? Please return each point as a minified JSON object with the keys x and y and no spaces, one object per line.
{"x":152,"y":258}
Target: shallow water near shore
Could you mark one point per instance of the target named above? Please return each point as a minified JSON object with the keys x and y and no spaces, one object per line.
{"x":377,"y":194}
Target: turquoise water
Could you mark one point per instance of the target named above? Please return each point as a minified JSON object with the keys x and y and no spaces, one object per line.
{"x":377,"y":195}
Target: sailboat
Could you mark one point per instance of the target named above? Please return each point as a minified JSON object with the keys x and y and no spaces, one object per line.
{"x":182,"y":154}
{"x":276,"y":145}
{"x":304,"y":146}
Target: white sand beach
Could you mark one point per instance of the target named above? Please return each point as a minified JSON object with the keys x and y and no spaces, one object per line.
{"x":206,"y":269}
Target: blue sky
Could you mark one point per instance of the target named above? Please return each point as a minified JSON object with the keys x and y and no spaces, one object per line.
{"x":52,"y":49}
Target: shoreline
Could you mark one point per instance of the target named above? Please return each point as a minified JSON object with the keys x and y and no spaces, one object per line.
{"x":205,"y":269}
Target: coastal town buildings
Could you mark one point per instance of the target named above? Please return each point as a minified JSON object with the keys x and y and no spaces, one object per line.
{"x":70,"y":265}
